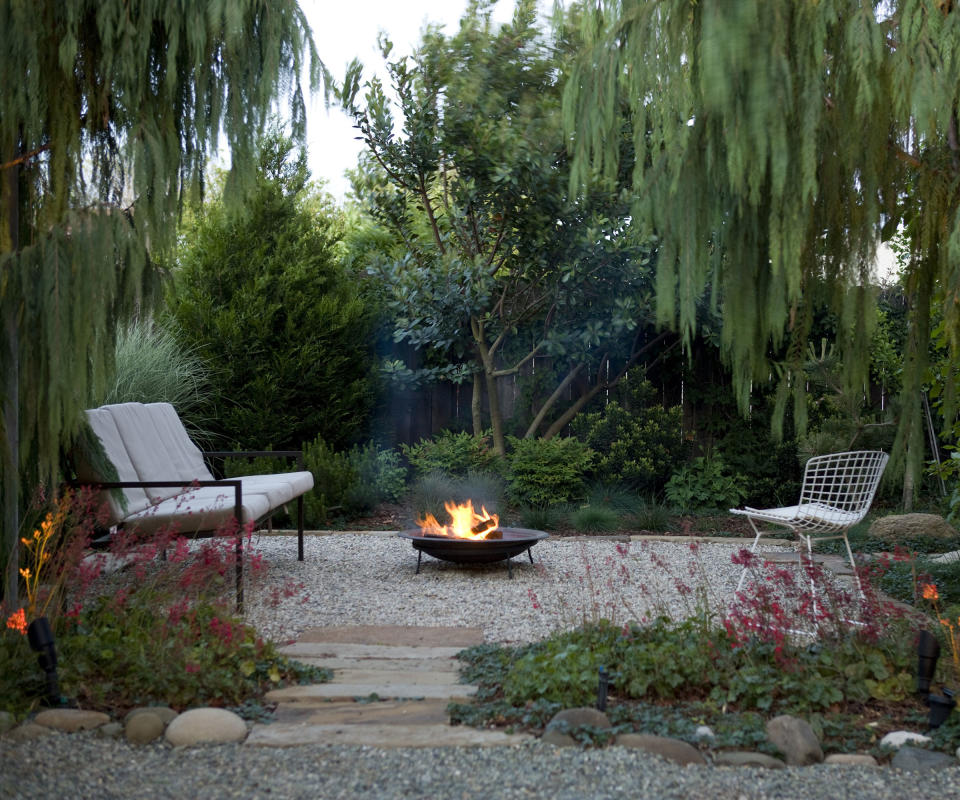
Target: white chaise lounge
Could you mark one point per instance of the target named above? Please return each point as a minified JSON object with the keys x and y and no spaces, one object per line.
{"x":166,"y":483}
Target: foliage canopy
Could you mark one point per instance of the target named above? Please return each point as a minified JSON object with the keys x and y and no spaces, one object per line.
{"x":776,"y":145}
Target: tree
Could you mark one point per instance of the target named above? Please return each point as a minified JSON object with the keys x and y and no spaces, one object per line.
{"x":108,"y":112}
{"x":776,"y":145}
{"x":495,"y":263}
{"x":259,"y":292}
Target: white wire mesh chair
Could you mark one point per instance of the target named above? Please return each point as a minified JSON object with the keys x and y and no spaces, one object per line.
{"x":836,"y":494}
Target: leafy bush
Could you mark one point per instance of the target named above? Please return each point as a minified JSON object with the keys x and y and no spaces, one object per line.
{"x":451,"y":452}
{"x":639,"y":446}
{"x":595,"y":519}
{"x":547,"y":471}
{"x":704,"y":484}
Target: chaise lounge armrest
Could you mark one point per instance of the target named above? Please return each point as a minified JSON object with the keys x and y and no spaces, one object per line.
{"x":297,"y":454}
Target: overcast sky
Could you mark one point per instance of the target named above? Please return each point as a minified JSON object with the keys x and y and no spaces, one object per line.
{"x":345,"y":29}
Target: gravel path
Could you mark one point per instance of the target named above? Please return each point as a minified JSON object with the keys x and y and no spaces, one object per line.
{"x":83,"y":766}
{"x":350,"y":579}
{"x":357,"y":579}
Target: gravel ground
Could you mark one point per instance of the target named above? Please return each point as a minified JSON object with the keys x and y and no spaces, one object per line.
{"x":357,"y":579}
{"x":367,"y":579}
{"x":83,"y":766}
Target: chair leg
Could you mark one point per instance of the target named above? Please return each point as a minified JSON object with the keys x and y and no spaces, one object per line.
{"x":813,"y":587}
{"x":853,"y":566}
{"x":753,"y":549}
{"x":300,"y":528}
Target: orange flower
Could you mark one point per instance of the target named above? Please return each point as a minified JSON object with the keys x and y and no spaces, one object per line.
{"x":17,"y":621}
{"x":930,"y":592}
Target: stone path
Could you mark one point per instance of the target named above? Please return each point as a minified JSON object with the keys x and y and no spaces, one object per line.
{"x":390,"y":688}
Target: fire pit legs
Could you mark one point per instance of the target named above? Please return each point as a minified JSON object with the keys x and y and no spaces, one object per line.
{"x":419,"y":556}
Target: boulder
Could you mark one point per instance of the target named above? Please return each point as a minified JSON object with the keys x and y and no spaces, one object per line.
{"x":558,"y":730}
{"x":6,"y":721}
{"x":900,"y":738}
{"x":112,"y":730}
{"x":143,"y":728}
{"x":71,"y":720}
{"x":672,"y":749}
{"x":900,"y":527}
{"x":206,"y":725}
{"x":916,"y":759}
{"x":28,"y":731}
{"x":165,"y":713}
{"x":740,"y":758}
{"x":795,"y":739}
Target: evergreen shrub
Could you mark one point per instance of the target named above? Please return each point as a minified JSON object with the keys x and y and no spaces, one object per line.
{"x":548,"y":471}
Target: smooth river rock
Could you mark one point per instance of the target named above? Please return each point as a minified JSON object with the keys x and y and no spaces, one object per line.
{"x":206,"y":725}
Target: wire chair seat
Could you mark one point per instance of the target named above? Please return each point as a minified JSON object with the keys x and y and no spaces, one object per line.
{"x":837,"y":492}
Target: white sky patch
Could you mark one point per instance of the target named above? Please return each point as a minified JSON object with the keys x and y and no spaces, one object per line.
{"x":343,"y":31}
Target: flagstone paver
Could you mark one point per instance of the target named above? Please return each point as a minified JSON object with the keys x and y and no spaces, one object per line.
{"x":391,"y":686}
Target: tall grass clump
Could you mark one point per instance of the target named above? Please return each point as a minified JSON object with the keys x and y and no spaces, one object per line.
{"x":152,"y":366}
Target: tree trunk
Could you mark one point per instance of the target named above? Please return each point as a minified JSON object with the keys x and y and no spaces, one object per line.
{"x":551,"y":401}
{"x":564,"y":419}
{"x":476,"y":405}
{"x":493,"y":398}
{"x":10,"y":460}
{"x":908,"y":484}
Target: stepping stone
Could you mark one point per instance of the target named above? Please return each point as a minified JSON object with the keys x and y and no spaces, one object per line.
{"x":393,"y":676}
{"x":410,"y":712}
{"x":349,"y":691}
{"x":450,"y":665}
{"x":347,"y":650}
{"x":280,"y":734}
{"x":409,"y":636}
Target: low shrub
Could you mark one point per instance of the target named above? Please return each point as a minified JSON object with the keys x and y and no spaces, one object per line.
{"x":350,"y":482}
{"x":595,"y":519}
{"x":453,"y":453}
{"x":547,"y":471}
{"x":544,"y":518}
{"x":430,"y":492}
{"x":705,"y":484}
{"x":618,"y":497}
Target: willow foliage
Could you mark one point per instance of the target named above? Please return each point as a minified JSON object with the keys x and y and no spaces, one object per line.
{"x":777,"y":143}
{"x":108,"y":113}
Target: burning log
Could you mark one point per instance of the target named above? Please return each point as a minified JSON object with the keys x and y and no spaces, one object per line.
{"x":485,"y":528}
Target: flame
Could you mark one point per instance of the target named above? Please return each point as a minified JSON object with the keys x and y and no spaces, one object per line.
{"x":465,"y":522}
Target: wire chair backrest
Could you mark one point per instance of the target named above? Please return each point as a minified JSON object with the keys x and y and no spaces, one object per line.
{"x":843,"y":481}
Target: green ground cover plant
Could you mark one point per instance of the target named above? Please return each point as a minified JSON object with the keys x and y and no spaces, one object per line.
{"x":731,"y":670}
{"x":595,"y":519}
{"x":154,"y":632}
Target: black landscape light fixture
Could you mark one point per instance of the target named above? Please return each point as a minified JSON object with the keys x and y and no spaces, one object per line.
{"x":40,"y":636}
{"x":602,"y":685}
{"x":928,"y":651}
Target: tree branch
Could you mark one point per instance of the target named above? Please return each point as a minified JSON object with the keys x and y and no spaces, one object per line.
{"x":25,"y":157}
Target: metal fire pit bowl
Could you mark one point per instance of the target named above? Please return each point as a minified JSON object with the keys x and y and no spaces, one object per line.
{"x":475,"y":551}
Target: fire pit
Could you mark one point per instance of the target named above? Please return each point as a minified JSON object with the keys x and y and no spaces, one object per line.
{"x":471,"y":538}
